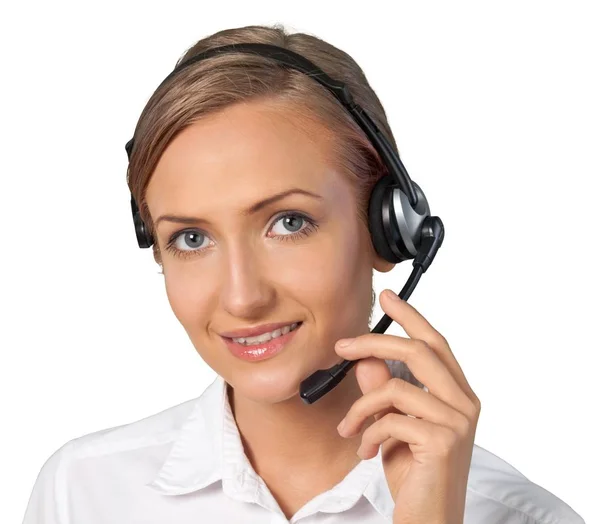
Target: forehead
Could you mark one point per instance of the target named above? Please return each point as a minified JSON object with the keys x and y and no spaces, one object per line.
{"x":249,"y":150}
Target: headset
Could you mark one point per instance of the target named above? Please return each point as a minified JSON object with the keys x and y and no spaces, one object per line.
{"x":400,"y":224}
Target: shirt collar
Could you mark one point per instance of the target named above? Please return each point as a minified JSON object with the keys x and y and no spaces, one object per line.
{"x":208,"y":448}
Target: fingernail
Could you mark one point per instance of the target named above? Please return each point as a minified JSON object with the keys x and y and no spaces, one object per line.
{"x":341,"y":426}
{"x":391,"y":294}
{"x":343,"y":342}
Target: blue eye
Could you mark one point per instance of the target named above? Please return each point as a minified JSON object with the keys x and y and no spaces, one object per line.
{"x":194,"y":239}
{"x":191,"y":238}
{"x":293,"y":221}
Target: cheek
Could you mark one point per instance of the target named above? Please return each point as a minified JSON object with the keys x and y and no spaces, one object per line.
{"x":185,"y":294}
{"x":331,"y":274}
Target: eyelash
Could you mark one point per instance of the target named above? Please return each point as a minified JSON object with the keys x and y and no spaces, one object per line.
{"x":312,"y":226}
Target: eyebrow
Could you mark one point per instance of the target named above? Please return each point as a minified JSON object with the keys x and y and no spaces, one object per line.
{"x":254,"y":208}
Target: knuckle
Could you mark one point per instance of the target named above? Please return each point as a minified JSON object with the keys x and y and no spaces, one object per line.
{"x":396,"y":385}
{"x":426,"y":348}
{"x":418,"y":349}
{"x":386,"y":421}
{"x":474,"y":409}
{"x":462,"y":425}
{"x":423,"y":346}
{"x":441,"y":340}
{"x":387,"y":418}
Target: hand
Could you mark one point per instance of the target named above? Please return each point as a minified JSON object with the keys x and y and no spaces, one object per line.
{"x":426,"y":456}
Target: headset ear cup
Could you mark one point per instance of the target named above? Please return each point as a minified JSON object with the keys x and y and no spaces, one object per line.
{"x":379,"y":194}
{"x":141,"y":232}
{"x":144,"y":239}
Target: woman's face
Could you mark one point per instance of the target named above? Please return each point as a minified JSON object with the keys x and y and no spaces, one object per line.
{"x":227,"y":270}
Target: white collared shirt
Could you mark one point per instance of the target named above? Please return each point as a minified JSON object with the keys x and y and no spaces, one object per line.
{"x":186,"y":465}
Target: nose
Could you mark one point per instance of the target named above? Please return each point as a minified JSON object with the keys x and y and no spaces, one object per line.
{"x":247,"y":291}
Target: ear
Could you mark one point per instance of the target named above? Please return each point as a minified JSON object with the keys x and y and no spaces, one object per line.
{"x":379,"y":263}
{"x":382,"y":265}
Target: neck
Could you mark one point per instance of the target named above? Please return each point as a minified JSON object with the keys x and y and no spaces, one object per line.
{"x":292,"y":434}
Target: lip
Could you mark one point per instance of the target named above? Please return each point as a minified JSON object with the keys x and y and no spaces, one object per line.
{"x":261,"y":351}
{"x":257,"y":330}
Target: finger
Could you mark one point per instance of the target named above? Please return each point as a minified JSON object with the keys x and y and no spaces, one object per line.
{"x":371,"y":374}
{"x":419,"y":434}
{"x":406,"y":398}
{"x":418,"y":327}
{"x":422,"y":361}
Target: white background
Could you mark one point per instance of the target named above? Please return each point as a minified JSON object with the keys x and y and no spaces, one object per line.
{"x":495,"y":108}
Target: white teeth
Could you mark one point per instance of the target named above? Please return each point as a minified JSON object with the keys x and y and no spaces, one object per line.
{"x":265,"y":337}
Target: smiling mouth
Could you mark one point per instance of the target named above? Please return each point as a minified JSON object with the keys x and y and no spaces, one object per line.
{"x":264,"y":338}
{"x":260,"y":350}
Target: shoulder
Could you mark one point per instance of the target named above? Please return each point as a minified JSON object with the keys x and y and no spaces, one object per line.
{"x":156,"y":429}
{"x":497,"y":492}
{"x":101,"y":451}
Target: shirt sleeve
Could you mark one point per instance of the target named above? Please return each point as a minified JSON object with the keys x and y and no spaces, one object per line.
{"x":48,"y":500}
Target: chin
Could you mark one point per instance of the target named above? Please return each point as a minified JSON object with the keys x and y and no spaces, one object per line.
{"x":268,"y":386}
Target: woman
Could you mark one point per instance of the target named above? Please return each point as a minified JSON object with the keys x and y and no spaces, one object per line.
{"x":254,"y":185}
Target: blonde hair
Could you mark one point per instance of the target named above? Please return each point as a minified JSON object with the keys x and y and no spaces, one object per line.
{"x":212,"y":84}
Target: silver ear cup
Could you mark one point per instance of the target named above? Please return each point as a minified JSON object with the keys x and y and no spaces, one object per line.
{"x":403,"y":224}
